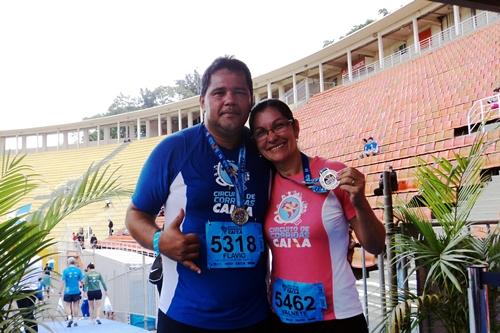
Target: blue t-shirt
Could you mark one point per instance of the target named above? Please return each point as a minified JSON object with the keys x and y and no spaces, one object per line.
{"x":184,"y":172}
{"x":72,"y":276}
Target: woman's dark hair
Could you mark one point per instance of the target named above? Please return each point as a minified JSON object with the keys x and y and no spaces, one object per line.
{"x":274,"y":103}
{"x":229,"y":63}
{"x":90,"y":266}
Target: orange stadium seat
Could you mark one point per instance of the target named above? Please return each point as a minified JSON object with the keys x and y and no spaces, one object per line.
{"x":411,"y":110}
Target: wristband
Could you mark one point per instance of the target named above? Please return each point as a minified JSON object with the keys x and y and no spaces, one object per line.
{"x":156,"y":242}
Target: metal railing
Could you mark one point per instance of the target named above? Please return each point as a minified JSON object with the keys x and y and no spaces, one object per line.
{"x":124,"y":246}
{"x":304,"y":94}
{"x":133,"y":295}
{"x":482,"y":111}
{"x":435,"y":41}
{"x":477,"y":295}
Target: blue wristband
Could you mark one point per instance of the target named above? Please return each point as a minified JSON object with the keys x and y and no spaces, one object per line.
{"x":156,"y":242}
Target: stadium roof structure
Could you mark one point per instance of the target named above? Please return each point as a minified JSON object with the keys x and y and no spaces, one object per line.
{"x":404,"y":34}
{"x":491,"y":5}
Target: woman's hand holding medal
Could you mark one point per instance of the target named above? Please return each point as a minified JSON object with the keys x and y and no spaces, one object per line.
{"x":352,"y":181}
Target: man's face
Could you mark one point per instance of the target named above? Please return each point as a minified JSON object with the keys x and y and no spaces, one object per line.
{"x":226,"y":103}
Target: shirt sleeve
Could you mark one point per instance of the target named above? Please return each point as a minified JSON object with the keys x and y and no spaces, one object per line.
{"x":157,"y":174}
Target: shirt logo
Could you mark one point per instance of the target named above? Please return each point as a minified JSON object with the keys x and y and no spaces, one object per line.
{"x":290,"y":209}
{"x":221,"y":176}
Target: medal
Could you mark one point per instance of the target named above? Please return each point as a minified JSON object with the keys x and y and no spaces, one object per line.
{"x":239,"y":215}
{"x":328,"y":179}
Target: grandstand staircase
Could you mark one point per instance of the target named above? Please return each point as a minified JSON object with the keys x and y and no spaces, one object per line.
{"x":487,"y":207}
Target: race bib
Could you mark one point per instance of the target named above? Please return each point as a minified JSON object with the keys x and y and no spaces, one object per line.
{"x":298,"y":302}
{"x":233,"y":246}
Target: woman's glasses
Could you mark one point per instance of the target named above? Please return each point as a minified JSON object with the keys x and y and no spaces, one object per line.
{"x":279,"y":127}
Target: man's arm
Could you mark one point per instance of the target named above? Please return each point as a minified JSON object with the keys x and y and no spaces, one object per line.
{"x":141,"y":226}
{"x":368,"y":229}
{"x":173,"y":243}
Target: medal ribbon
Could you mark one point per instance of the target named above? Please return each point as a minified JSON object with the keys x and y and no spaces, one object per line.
{"x":309,"y":182}
{"x":238,"y":180}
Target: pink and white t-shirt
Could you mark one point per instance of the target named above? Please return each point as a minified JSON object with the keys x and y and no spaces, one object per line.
{"x":307,"y":233}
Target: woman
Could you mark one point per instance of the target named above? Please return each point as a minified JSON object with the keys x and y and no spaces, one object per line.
{"x":307,"y":225}
{"x":46,"y":280}
{"x":92,"y":286}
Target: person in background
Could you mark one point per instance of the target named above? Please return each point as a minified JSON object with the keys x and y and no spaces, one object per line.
{"x":71,"y":278}
{"x":213,"y":250}
{"x":373,"y":146}
{"x":93,"y":283}
{"x":313,"y":203}
{"x":29,"y":285}
{"x":110,"y":227}
{"x":394,"y":182}
{"x":93,"y":241}
{"x":366,"y":149}
{"x":46,"y":280}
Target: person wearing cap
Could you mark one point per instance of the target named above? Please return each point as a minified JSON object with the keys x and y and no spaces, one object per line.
{"x":93,"y":283}
{"x":71,"y":278}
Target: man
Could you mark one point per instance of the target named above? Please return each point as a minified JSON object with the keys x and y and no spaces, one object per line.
{"x":215,"y":190}
{"x":373,"y":146}
{"x":71,"y":278}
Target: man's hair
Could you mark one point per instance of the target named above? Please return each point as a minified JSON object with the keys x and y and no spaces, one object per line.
{"x":71,"y":261}
{"x":229,"y":63}
{"x":90,"y":266}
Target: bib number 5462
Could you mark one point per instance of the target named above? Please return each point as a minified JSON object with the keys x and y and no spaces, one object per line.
{"x":295,"y":302}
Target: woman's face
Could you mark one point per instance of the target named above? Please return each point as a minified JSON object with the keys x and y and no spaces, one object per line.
{"x":275,"y":136}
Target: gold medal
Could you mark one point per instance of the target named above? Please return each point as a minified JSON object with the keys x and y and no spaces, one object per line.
{"x":328,"y":179}
{"x":239,"y":215}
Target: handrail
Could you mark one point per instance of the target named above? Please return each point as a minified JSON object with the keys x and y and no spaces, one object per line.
{"x":131,"y":247}
{"x":481,"y":111}
{"x":314,"y":88}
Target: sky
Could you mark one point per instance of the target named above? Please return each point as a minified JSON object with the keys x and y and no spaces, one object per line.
{"x":63,"y":60}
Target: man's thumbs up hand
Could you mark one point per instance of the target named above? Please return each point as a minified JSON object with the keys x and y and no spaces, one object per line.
{"x":178,"y":246}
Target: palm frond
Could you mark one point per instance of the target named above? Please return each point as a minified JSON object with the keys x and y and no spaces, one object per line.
{"x":21,"y":237}
{"x":443,"y":247}
{"x":16,"y":181}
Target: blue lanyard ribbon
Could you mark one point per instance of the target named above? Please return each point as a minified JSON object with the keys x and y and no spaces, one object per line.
{"x":311,"y":183}
{"x":238,"y":177}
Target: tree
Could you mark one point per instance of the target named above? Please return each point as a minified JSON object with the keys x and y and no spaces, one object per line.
{"x":188,"y":87}
{"x":383,"y":11}
{"x":22,"y":237}
{"x":123,"y":103}
{"x":449,"y":190}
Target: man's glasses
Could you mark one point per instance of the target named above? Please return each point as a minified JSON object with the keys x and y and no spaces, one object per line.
{"x":277,"y":128}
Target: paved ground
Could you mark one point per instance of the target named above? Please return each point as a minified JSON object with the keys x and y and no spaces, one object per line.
{"x":85,"y":325}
